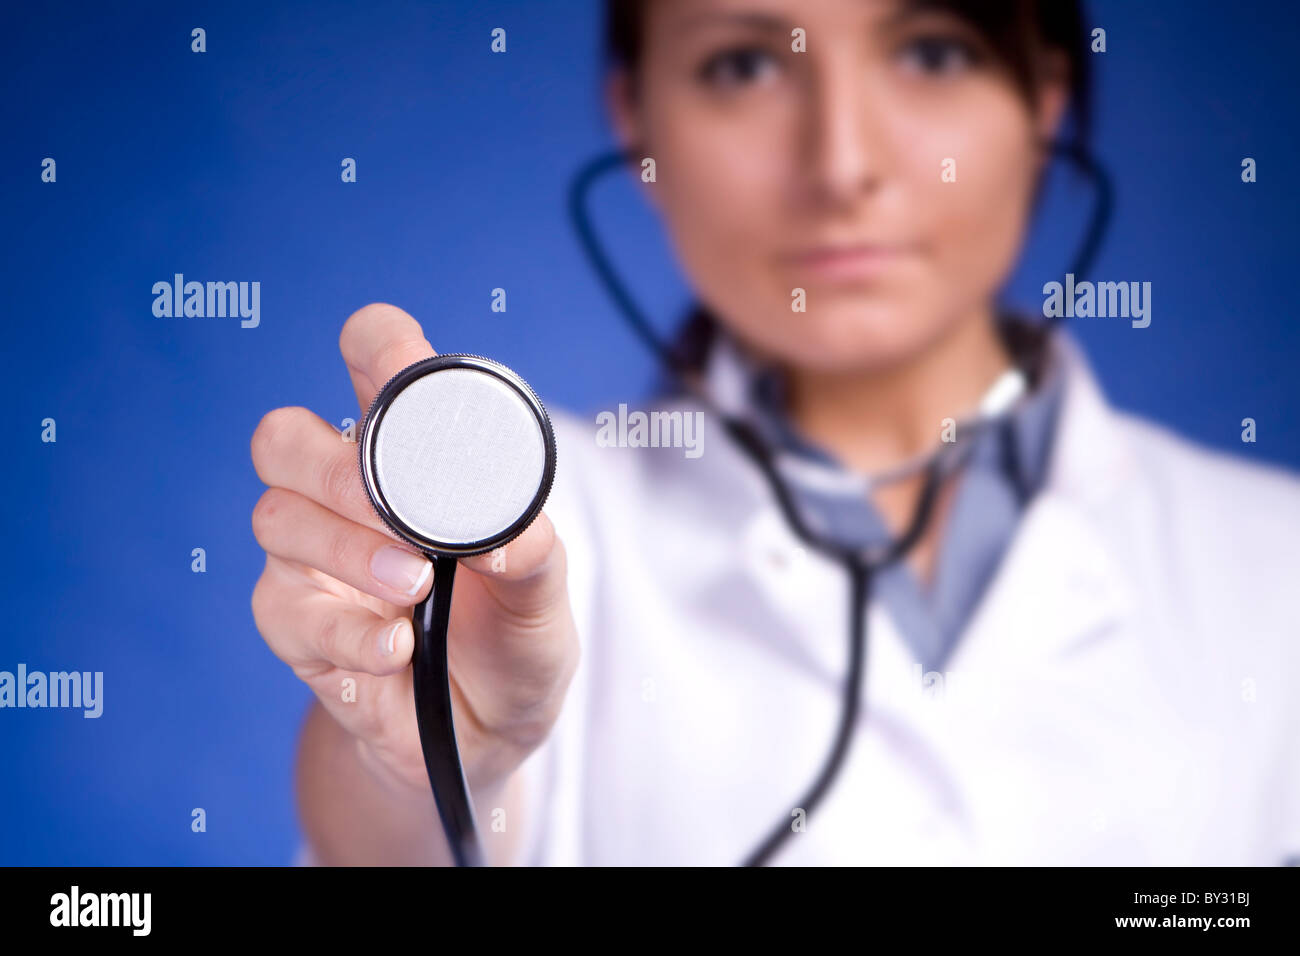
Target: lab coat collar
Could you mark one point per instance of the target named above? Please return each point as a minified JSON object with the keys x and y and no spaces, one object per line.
{"x":1092,"y":459}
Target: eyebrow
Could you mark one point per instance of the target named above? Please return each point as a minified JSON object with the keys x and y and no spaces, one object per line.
{"x":904,"y":10}
{"x":915,"y":9}
{"x":759,"y":21}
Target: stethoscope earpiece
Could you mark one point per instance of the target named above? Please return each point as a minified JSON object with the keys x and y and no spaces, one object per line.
{"x":457,"y":455}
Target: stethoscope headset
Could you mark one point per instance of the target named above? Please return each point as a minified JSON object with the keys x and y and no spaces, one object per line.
{"x":457,"y":455}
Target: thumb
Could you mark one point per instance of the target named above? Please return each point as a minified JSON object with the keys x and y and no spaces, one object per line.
{"x":527,"y":575}
{"x":377,"y":342}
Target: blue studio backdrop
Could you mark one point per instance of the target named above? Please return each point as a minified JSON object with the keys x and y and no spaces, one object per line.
{"x":225,"y":166}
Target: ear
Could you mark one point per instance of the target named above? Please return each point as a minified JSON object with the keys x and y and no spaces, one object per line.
{"x":1053,"y":95}
{"x":624,"y":113}
{"x":626,"y":116}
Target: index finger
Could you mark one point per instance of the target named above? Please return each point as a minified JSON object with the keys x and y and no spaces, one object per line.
{"x":377,"y":342}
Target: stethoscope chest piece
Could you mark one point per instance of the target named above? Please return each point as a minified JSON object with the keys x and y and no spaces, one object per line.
{"x":457,"y":454}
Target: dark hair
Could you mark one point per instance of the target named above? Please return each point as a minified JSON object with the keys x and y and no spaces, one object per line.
{"x":1016,"y":30}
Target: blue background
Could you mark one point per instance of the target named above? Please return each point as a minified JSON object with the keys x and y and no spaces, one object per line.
{"x":225,"y":166}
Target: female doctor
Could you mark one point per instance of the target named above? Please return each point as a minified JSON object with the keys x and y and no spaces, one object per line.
{"x":1083,"y":653}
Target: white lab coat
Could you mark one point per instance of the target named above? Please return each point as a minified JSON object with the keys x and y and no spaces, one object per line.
{"x":1126,"y":693}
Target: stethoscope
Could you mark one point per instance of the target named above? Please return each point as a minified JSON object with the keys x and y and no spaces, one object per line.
{"x":861,"y":565}
{"x":457,"y":456}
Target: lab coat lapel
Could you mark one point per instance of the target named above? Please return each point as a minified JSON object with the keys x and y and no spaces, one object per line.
{"x":1061,"y":583}
{"x":1058,"y":588}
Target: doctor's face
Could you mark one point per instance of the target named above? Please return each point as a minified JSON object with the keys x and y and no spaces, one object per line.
{"x":887,"y":171}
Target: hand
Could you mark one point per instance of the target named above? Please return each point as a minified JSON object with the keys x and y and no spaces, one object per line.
{"x":334,"y":600}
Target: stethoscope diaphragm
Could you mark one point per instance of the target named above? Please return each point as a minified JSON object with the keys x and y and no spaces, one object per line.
{"x":457,"y":454}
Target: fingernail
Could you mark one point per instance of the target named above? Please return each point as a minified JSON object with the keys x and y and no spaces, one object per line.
{"x":400,"y":570}
{"x":388,"y":639}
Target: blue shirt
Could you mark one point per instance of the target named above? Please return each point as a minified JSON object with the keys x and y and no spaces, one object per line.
{"x":1005,"y":467}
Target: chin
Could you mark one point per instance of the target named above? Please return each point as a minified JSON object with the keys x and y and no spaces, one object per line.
{"x":852,"y":337}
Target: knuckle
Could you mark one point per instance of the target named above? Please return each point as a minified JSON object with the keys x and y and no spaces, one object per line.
{"x":340,"y":552}
{"x":339,"y":480}
{"x":310,"y":670}
{"x":383,"y":737}
{"x":329,"y":633}
{"x":373,"y":728}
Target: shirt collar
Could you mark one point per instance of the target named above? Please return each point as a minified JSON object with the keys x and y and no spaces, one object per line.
{"x":744,"y":387}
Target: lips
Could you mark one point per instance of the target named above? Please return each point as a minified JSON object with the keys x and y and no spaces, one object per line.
{"x":850,"y":262}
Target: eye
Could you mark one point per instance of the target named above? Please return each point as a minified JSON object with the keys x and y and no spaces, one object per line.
{"x":737,"y":67}
{"x":937,"y":55}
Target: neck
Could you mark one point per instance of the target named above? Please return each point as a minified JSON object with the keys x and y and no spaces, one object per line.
{"x":874,"y":420}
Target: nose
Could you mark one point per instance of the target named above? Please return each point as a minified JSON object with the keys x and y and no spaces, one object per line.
{"x":842,"y":145}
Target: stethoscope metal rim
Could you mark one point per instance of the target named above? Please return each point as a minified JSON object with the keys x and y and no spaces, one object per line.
{"x":375,"y":415}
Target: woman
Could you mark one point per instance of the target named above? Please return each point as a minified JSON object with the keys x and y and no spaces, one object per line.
{"x":1084,"y":657}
